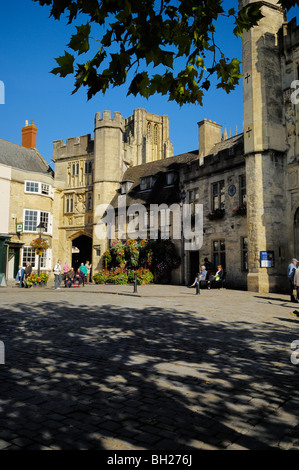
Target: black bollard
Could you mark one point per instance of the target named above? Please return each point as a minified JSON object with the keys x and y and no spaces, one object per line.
{"x":135,"y":282}
{"x":197,"y":289}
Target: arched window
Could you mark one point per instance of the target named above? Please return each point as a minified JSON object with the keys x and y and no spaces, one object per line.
{"x":155,"y":134}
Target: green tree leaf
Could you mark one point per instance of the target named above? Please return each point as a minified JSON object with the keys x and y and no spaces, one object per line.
{"x":66,"y":65}
{"x":143,"y":42}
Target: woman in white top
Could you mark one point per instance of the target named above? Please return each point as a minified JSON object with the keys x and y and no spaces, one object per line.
{"x":57,"y":273}
{"x":88,"y":267}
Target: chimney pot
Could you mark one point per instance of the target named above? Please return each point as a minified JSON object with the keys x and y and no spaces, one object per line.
{"x":29,"y":135}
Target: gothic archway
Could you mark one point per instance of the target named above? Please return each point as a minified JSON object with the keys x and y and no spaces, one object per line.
{"x":81,"y":250}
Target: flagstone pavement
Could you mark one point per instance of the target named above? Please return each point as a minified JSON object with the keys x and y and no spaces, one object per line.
{"x":102,"y":367}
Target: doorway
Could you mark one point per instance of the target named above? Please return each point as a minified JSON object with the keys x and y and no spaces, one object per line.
{"x":82,"y":251}
{"x":13,"y":262}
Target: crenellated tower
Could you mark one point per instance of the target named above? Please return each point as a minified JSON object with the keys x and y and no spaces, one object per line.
{"x":108,"y":169}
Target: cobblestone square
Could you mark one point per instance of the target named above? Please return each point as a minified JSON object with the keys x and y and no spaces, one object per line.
{"x":100,"y":367}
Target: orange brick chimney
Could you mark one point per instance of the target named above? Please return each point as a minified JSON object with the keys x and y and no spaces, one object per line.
{"x":29,"y":135}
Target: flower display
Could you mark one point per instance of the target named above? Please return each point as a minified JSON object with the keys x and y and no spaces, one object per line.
{"x":41,"y":244}
{"x":34,"y":279}
{"x":149,"y":259}
{"x":216,"y":214}
{"x":107,"y":258}
{"x":132,"y":252}
{"x":121,"y":276}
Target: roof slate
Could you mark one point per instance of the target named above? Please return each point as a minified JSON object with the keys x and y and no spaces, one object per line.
{"x":22,"y":158}
{"x":159,"y":193}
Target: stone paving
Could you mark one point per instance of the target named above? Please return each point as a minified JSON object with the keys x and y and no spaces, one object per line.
{"x":103,"y":368}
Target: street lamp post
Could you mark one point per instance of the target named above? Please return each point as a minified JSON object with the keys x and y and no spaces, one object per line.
{"x":40,"y":227}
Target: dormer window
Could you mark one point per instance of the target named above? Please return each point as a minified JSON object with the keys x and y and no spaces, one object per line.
{"x":126,"y":186}
{"x":171,"y":178}
{"x":147,"y":182}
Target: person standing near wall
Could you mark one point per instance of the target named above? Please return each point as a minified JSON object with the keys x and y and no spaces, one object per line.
{"x":296,"y":283}
{"x":88,"y":267}
{"x":57,"y":273}
{"x":291,"y":273}
{"x":83,"y":270}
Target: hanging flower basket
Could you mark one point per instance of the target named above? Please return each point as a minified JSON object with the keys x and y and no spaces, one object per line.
{"x":40,"y":244}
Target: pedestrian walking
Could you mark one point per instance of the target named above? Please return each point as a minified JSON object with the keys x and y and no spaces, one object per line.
{"x":57,"y":273}
{"x":291,"y":273}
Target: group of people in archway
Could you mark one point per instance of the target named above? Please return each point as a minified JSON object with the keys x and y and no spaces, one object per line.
{"x":70,"y":277}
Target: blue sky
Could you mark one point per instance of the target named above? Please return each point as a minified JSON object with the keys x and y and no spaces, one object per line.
{"x":29,"y":42}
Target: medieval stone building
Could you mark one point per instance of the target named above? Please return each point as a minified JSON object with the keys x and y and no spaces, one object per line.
{"x":248,"y":184}
{"x":88,"y":172}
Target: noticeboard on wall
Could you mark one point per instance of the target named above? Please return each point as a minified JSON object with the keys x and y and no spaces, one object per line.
{"x":267,"y":259}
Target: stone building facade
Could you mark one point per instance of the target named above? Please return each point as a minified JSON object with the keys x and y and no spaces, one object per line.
{"x":88,"y":172}
{"x":248,"y":184}
{"x":27,"y":199}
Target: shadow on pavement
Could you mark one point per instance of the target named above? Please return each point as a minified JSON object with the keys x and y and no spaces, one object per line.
{"x":97,"y":377}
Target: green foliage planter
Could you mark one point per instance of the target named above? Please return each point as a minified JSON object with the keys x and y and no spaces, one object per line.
{"x":112,"y":276}
{"x":144,"y":276}
{"x":117,"y":276}
{"x":120,"y":276}
{"x":37,"y":279}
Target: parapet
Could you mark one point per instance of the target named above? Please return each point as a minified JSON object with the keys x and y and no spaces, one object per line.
{"x":105,"y":120}
{"x":74,"y":147}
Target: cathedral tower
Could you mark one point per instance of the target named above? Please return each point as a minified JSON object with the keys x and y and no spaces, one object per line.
{"x":265,"y":145}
